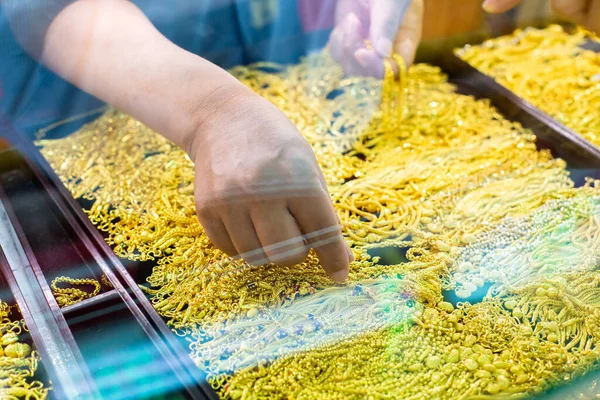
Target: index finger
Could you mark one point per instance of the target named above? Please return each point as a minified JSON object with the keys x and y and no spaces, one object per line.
{"x":499,"y":6}
{"x":320,"y":225}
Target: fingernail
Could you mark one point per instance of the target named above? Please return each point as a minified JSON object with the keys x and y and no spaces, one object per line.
{"x":339,"y":276}
{"x":488,"y":6}
{"x":384,"y":47}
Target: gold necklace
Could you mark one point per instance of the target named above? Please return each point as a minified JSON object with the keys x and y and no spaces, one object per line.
{"x":18,"y":362}
{"x":72,"y":295}
{"x":425,"y":168}
{"x":548,"y":68}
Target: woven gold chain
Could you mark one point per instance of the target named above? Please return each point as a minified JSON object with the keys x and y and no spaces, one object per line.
{"x":71,"y":295}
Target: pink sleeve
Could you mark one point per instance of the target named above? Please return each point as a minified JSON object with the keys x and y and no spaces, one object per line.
{"x":316,"y":14}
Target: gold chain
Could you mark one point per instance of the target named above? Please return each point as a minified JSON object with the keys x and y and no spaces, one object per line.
{"x":548,"y":68}
{"x":409,"y":164}
{"x":18,"y":362}
{"x":71,"y":295}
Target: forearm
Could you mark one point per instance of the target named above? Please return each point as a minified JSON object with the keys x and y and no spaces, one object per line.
{"x":111,"y":50}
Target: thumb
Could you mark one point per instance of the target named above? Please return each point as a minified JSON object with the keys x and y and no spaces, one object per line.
{"x":386,"y":18}
{"x":499,"y":6}
{"x":409,"y":34}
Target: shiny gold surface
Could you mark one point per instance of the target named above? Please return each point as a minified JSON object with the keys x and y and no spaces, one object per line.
{"x":410,"y":164}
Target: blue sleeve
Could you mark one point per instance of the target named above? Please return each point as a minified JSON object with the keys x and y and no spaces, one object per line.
{"x":272,"y":31}
{"x":31,"y":96}
{"x":30,"y":20}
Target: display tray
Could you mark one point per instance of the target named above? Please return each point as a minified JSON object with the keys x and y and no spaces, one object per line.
{"x":563,"y":141}
{"x":7,"y":296}
{"x":122,"y":347}
{"x":123,"y":341}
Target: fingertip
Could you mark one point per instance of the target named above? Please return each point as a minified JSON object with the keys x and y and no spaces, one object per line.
{"x":498,"y":6}
{"x":335,"y":259}
{"x":488,"y":6}
{"x":407,"y":49}
{"x":339,"y":276}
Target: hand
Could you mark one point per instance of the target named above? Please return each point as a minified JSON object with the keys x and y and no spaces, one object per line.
{"x":582,"y":12}
{"x":260,"y":193}
{"x":389,"y":25}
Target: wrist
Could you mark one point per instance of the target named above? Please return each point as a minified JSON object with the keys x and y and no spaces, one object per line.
{"x":215,"y":106}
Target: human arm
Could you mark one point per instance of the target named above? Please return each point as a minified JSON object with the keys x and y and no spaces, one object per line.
{"x":242,"y":145}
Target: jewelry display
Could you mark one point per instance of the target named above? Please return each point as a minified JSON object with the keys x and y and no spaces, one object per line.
{"x":551,"y":69}
{"x":409,"y":163}
{"x":18,"y":362}
{"x":72,"y":295}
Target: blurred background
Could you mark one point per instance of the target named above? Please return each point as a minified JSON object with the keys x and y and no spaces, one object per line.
{"x":234,"y":32}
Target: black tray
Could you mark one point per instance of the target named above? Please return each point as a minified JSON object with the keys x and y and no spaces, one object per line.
{"x":121,"y":346}
{"x":563,"y":141}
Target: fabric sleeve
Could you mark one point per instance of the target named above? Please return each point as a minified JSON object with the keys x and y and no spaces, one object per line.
{"x":30,"y":20}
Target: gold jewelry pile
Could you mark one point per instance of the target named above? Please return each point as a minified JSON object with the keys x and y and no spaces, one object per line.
{"x":18,"y":362}
{"x":440,"y":173}
{"x":549,"y":68}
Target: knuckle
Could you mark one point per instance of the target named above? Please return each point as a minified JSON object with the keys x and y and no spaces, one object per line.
{"x":202,"y":210}
{"x":282,"y":177}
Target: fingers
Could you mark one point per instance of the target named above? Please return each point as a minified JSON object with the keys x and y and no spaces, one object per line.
{"x":410,"y":32}
{"x":319,"y":222}
{"x":347,"y":37}
{"x":579,"y":11}
{"x":394,"y":25}
{"x":218,"y":235}
{"x":499,"y":6}
{"x":244,"y":238}
{"x":279,"y":234}
{"x":273,"y":234}
{"x":386,"y":18}
{"x":370,"y":61}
